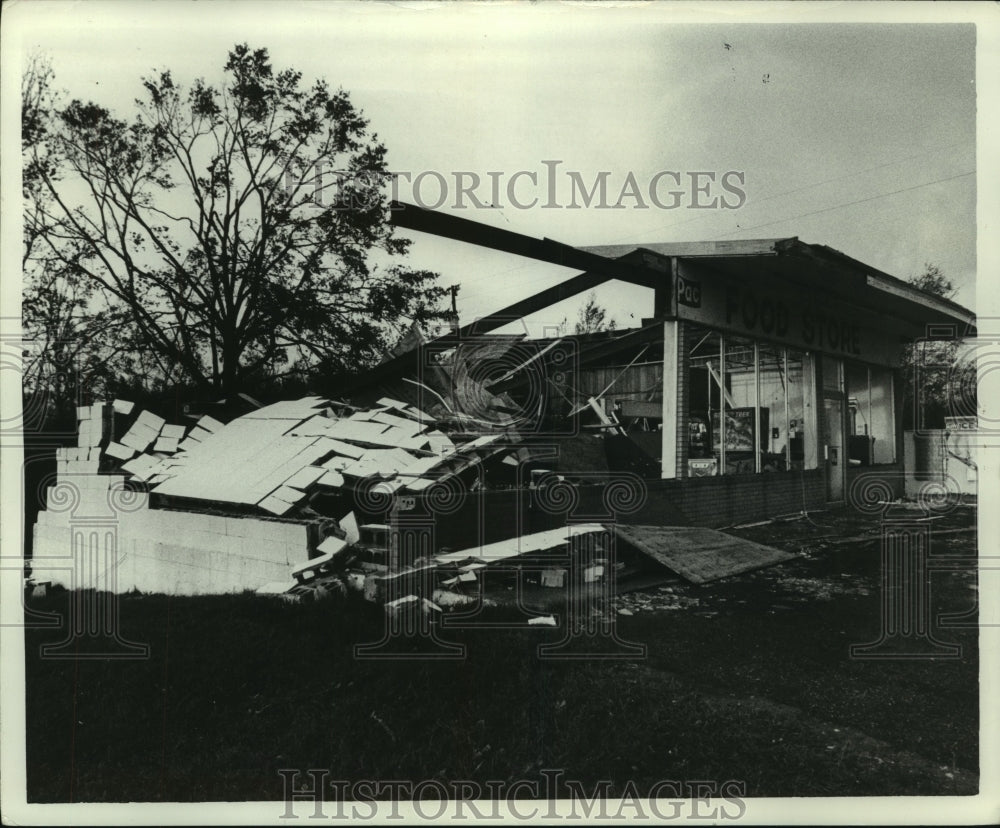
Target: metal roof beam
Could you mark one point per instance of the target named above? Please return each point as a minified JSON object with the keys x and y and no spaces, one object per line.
{"x":411,"y":217}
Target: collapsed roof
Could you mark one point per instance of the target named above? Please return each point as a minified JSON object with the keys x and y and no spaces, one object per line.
{"x":274,"y":457}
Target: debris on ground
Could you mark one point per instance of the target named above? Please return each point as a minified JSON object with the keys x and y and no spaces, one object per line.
{"x":700,"y":555}
{"x":823,"y":589}
{"x":203,"y":506}
{"x":274,"y":501}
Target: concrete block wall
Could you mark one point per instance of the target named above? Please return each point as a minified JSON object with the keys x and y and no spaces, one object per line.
{"x":96,"y":534}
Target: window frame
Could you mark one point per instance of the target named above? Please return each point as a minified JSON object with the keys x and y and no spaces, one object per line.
{"x":785,"y":351}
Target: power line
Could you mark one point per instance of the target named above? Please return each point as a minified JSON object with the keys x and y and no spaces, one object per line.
{"x":836,"y":178}
{"x":851,"y":203}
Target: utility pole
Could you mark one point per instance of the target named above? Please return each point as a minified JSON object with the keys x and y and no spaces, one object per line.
{"x":454,"y":307}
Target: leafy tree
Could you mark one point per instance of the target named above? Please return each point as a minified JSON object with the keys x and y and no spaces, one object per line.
{"x":239,"y":232}
{"x":593,"y":318}
{"x":932,"y":280}
{"x":930,"y":366}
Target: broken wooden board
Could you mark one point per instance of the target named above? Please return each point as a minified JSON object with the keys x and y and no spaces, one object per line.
{"x":522,"y":545}
{"x":699,"y":555}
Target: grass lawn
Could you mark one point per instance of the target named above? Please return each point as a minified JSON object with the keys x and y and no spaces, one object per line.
{"x":753,"y":683}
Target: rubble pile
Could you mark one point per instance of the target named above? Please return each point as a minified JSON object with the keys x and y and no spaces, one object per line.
{"x":206,"y":506}
{"x":283,"y":500}
{"x":275,"y":457}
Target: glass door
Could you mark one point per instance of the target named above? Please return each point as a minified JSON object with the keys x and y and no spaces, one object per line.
{"x":833,"y":447}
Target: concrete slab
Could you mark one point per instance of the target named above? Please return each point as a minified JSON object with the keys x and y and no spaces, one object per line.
{"x":512,"y":547}
{"x":304,"y":478}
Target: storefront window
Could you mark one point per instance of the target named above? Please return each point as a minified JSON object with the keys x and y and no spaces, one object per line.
{"x":833,"y":375}
{"x":705,"y":399}
{"x":740,"y":436}
{"x":871,"y":435}
{"x":751,"y":406}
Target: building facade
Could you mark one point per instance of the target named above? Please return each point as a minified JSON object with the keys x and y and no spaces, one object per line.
{"x":766,"y":379}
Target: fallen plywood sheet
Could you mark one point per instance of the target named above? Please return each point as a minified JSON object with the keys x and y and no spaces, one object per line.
{"x":523,"y":545}
{"x":699,"y":555}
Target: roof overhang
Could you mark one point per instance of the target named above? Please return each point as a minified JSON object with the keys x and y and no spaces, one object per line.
{"x":821,"y":270}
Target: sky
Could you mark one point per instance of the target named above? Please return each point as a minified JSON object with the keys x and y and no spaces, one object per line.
{"x":860,"y":136}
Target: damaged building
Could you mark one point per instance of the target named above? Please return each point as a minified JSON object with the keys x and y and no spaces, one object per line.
{"x":764,"y":382}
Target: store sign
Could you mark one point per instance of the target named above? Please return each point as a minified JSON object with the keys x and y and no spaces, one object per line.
{"x":788,"y":315}
{"x":688,"y":292}
{"x":766,"y":315}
